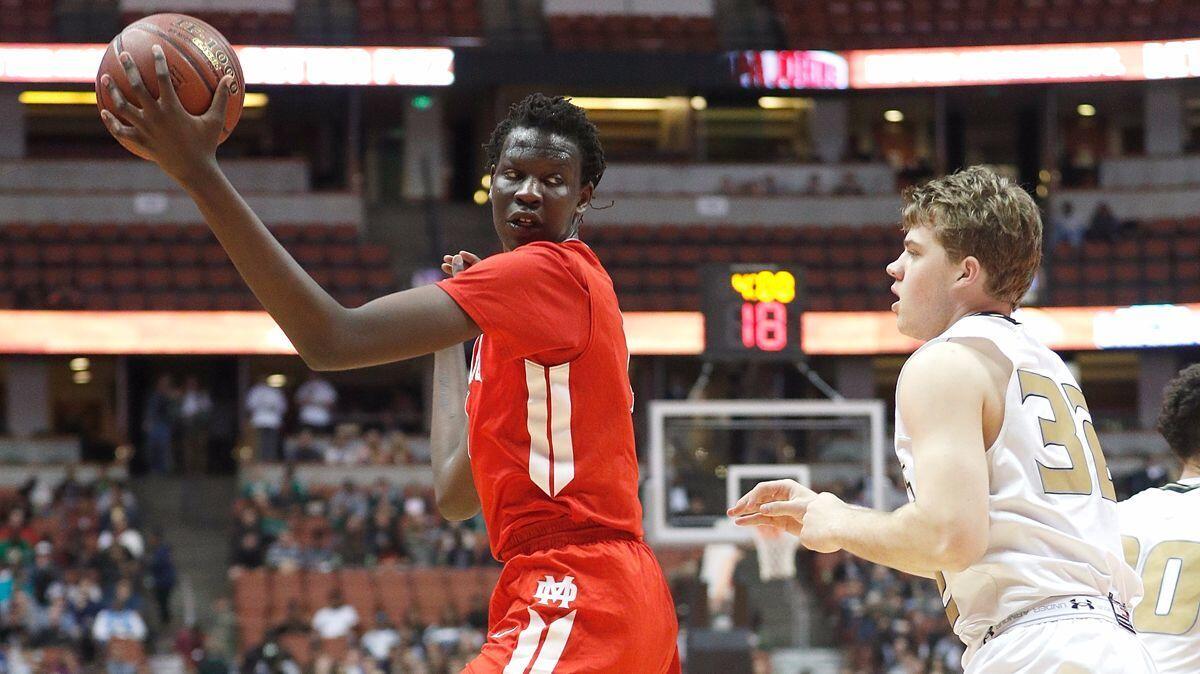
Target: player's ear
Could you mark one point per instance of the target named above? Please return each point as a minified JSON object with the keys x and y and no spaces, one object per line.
{"x":969,"y":271}
{"x":585,"y":198}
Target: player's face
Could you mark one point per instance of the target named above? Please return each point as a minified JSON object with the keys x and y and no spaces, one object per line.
{"x":535,"y":190}
{"x":923,"y":277}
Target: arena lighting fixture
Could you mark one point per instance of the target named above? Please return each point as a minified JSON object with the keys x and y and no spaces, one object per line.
{"x":253,"y":100}
{"x":784,"y":103}
{"x":699,"y":103}
{"x":480,"y":197}
{"x":1086,"y":110}
{"x":893,"y":116}
{"x":602,"y":103}
{"x":79,"y":364}
{"x":486,"y":181}
{"x":82,"y":377}
{"x":276,"y":380}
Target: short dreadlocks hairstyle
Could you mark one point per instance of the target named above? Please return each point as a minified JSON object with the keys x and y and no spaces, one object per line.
{"x":558,"y":115}
{"x":1179,"y":419}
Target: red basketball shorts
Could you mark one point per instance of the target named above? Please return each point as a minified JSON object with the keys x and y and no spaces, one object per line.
{"x":600,"y":607}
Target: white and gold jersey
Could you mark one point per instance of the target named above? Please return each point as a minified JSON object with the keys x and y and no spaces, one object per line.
{"x":1051,"y":505}
{"x":1161,"y":531}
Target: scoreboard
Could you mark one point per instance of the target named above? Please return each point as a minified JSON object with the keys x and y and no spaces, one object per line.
{"x":752,"y":311}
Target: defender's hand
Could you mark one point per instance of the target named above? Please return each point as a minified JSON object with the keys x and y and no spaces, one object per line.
{"x":452,"y":264}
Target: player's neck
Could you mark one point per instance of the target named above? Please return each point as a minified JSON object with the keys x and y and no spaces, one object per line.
{"x":1190,"y":470}
{"x":980,"y":308}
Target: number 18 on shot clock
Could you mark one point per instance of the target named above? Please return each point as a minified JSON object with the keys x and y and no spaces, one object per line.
{"x":752,"y":311}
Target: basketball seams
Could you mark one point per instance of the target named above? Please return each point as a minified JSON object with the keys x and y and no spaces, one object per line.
{"x":180,"y":49}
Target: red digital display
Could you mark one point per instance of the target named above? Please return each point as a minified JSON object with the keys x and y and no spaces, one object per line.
{"x":751,"y":311}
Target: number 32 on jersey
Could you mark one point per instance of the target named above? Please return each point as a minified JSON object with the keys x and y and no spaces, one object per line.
{"x":1060,"y":429}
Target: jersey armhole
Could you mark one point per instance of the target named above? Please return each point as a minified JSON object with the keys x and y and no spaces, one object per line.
{"x":989,"y":349}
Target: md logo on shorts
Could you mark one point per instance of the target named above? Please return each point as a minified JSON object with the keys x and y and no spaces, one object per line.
{"x":562,"y":591}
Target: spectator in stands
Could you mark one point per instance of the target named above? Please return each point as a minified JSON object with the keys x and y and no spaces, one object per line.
{"x":120,"y":533}
{"x":306,"y":447}
{"x":849,"y":185}
{"x":195,"y":412}
{"x":1105,"y":226}
{"x":336,"y":620}
{"x":1068,"y":226}
{"x":17,"y":528}
{"x":293,"y":620}
{"x":349,"y":501}
{"x":162,"y":574}
{"x":45,"y":572}
{"x":221,"y":643}
{"x":315,"y":400}
{"x":266,"y":405}
{"x":55,"y":626}
{"x":346,"y":449}
{"x":116,"y":496}
{"x":383,"y":540}
{"x":285,"y":554}
{"x":159,"y":419}
{"x":376,"y":450}
{"x":352,"y":541}
{"x":120,"y":630}
{"x":381,"y":640}
{"x":249,"y":552}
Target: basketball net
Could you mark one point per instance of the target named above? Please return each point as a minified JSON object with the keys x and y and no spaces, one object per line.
{"x":776,"y":553}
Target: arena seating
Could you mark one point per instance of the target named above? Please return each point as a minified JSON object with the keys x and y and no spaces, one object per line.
{"x":1158,"y":264}
{"x":599,"y":33}
{"x":658,"y":268}
{"x":169,"y":267}
{"x":386,"y":21}
{"x":26,"y":21}
{"x":241,"y":27}
{"x":881,"y":24}
{"x":261,"y":597}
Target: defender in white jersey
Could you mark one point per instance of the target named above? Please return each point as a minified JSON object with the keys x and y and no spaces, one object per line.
{"x":1161,"y":531}
{"x":1012,"y":509}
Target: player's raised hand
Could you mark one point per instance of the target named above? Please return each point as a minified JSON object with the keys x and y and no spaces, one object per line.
{"x":452,"y":264}
{"x":179,"y":142}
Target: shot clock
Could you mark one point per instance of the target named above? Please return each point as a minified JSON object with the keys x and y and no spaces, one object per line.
{"x":752,"y":311}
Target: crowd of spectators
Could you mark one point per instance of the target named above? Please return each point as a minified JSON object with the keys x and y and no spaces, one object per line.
{"x":289,"y":527}
{"x":334,"y":639}
{"x":80,"y":586}
{"x":322,"y":434}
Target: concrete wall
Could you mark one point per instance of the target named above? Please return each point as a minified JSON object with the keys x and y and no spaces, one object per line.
{"x":172,"y":208}
{"x":124,"y":175}
{"x":773,"y":211}
{"x":661,"y":178}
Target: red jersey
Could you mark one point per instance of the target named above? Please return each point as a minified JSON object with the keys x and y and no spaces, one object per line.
{"x":550,"y":407}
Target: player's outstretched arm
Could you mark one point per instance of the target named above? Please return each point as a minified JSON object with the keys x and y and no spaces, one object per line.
{"x":454,"y":485}
{"x":327,"y":335}
{"x":941,"y":396}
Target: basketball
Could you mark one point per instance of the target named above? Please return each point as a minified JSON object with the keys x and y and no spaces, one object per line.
{"x":198,"y":56}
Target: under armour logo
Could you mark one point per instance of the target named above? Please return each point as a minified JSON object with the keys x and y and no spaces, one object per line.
{"x":1075,"y":603}
{"x":561,"y":591}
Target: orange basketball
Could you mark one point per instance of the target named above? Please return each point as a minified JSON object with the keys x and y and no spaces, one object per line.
{"x":197,"y":56}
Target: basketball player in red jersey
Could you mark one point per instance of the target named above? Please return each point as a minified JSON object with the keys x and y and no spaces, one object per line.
{"x":550,"y":431}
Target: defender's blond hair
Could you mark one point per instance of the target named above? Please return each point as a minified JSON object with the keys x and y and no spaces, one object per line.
{"x":979,"y":213}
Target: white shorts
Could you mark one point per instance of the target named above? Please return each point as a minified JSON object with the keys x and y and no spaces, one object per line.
{"x":1068,"y":646}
